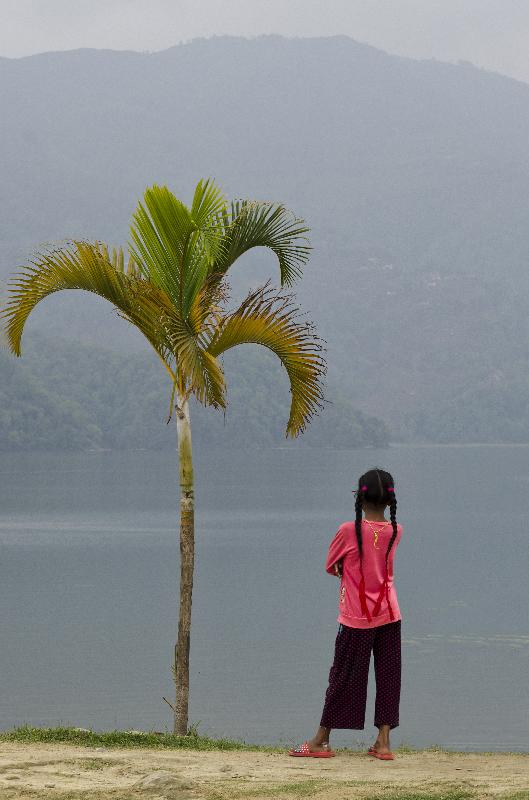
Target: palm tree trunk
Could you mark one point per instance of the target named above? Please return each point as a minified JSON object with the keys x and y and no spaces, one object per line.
{"x":187,"y":563}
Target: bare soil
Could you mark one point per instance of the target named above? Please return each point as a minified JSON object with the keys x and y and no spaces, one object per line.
{"x":69,"y":772}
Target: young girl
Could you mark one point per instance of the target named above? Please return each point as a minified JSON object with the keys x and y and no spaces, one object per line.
{"x":361,"y":555}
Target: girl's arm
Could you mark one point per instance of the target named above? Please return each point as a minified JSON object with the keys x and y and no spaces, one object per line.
{"x":339,"y":546}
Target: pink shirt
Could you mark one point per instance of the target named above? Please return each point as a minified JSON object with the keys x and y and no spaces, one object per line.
{"x":358,"y":599}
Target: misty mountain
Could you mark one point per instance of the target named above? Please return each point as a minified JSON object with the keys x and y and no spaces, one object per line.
{"x":413,"y":176}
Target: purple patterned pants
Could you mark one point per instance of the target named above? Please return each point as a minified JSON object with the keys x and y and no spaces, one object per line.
{"x":345,"y":700}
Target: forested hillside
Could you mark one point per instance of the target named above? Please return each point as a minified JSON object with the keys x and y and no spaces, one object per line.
{"x":81,"y":397}
{"x":413,"y":175}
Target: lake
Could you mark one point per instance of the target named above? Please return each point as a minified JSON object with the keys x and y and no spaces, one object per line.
{"x":89,"y":591}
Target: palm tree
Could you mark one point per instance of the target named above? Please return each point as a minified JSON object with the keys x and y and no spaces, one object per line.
{"x":172,"y":287}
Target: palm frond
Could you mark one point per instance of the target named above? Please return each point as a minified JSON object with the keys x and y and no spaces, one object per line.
{"x":207,"y":242}
{"x":209,"y":204}
{"x":207,"y":306}
{"x":161,"y":231}
{"x":82,"y":265}
{"x":117,"y":259}
{"x":252,"y":224}
{"x":174,"y":245}
{"x":268,"y":318}
{"x":198,"y":371}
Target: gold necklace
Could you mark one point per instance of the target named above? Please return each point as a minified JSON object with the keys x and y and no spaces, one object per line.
{"x":375,"y":532}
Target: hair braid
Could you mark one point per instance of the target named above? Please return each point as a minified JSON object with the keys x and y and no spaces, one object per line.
{"x":358,"y":523}
{"x":393,"y":518}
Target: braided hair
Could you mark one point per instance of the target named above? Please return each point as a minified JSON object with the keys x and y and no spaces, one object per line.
{"x":377,"y":481}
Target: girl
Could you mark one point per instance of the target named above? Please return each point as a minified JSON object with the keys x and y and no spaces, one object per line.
{"x":361,"y":555}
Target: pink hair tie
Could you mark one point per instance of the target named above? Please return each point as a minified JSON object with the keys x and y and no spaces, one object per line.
{"x":364,"y":488}
{"x":391,"y":489}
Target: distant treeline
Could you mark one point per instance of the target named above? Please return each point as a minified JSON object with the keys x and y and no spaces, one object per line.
{"x":77,"y":397}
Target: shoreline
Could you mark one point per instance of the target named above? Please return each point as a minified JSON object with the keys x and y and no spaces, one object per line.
{"x":117,"y":739}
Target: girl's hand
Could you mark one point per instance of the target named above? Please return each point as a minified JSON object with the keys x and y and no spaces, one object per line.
{"x":338,"y":569}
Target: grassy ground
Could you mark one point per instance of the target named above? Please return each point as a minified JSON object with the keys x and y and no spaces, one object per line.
{"x":89,"y":738}
{"x":74,"y":764}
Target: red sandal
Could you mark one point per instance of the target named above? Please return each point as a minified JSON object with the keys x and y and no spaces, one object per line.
{"x":381,"y":756}
{"x":304,"y":752}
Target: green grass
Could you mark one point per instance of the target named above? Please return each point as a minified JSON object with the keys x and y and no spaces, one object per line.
{"x":312,"y":788}
{"x":405,"y":794}
{"x":117,"y":739}
{"x":523,"y":795}
{"x":303,"y":789}
{"x":362,"y":790}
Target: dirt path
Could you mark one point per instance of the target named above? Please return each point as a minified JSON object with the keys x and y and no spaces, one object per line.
{"x":61,"y":770}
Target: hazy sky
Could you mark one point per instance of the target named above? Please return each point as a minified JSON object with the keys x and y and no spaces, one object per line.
{"x":490,"y":33}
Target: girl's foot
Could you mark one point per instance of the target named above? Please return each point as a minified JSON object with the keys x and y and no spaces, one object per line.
{"x":317,"y":744}
{"x":380,"y":749}
{"x":312,"y":750}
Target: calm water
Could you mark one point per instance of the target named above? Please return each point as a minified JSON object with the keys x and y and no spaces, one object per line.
{"x":89,"y":588}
